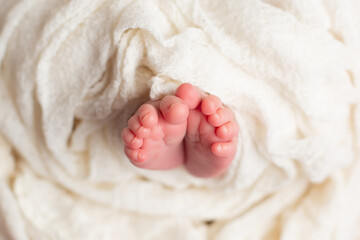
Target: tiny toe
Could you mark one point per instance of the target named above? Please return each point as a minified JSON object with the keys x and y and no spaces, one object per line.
{"x":174,"y":110}
{"x":143,"y":132}
{"x":137,"y":156}
{"x":148,"y":115}
{"x":210,"y":104}
{"x":222,"y":116}
{"x":227,"y":131}
{"x":130,"y":140}
{"x":189,"y":94}
{"x":136,"y":127}
{"x":224,"y":149}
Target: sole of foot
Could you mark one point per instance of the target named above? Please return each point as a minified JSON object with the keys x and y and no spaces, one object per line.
{"x":211,"y":135}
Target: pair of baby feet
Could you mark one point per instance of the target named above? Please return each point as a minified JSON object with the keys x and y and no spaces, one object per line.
{"x":189,"y":128}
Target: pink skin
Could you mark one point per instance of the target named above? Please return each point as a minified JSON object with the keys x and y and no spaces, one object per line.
{"x":188,"y":129}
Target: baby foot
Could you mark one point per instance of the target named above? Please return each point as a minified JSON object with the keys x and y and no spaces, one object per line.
{"x":189,"y":128}
{"x":211,"y":137}
{"x":155,"y":133}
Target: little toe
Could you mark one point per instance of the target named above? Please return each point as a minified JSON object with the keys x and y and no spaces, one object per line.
{"x":227,"y":131}
{"x":220,"y":117}
{"x":189,"y":94}
{"x":224,"y":149}
{"x":174,"y":110}
{"x":148,"y":115}
{"x":210,"y":104}
{"x":137,"y":157}
{"x":130,"y":140}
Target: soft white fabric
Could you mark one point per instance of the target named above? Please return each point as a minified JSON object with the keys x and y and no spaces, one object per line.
{"x":72,"y":72}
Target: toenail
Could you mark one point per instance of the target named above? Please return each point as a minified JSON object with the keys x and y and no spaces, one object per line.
{"x":172,"y":105}
{"x":140,"y":157}
{"x":145,"y":116}
{"x":211,"y":104}
{"x":226,"y":129}
{"x":219,"y":147}
{"x":134,"y":140}
{"x":140,"y":129}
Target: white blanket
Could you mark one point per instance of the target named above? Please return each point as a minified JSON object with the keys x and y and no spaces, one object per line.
{"x":73,"y":71}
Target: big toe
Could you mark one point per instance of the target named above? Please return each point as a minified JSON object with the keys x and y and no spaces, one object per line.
{"x":174,"y":109}
{"x":189,"y":94}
